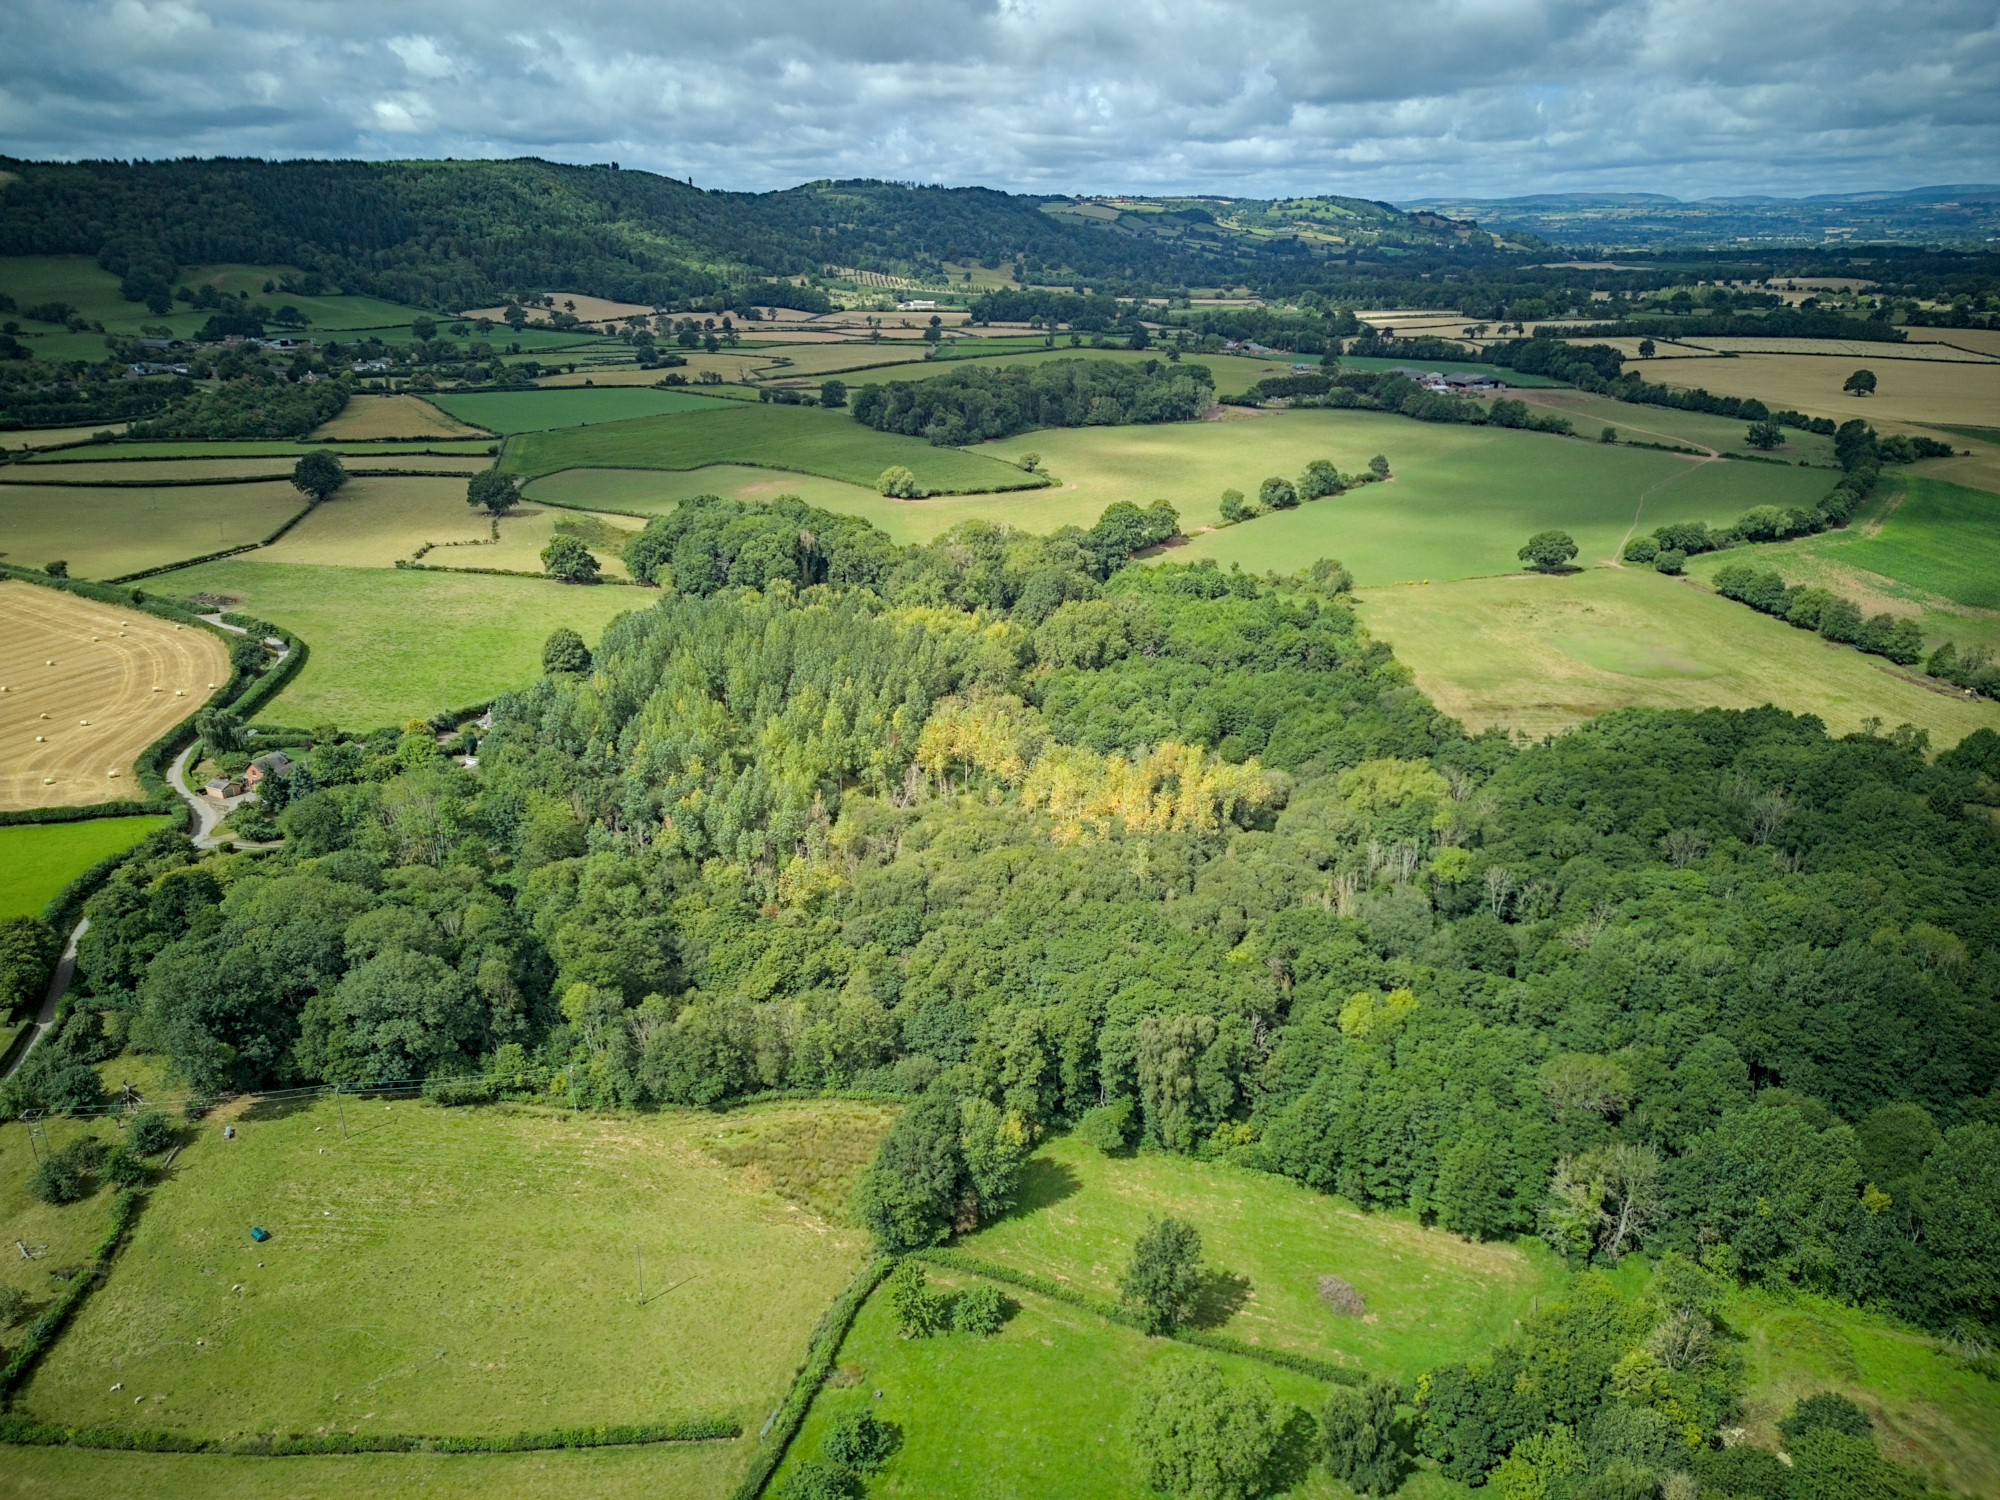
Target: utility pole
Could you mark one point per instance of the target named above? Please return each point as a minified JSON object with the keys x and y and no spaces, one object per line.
{"x":639,"y":1255}
{"x":38,"y":1131}
{"x":341,"y":1105}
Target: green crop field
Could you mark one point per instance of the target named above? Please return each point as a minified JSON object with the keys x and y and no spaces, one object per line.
{"x":1944,"y":538}
{"x":1038,"y":1410}
{"x":1432,"y":1296}
{"x":453,"y":1272}
{"x":804,"y":438}
{"x":1541,"y":655}
{"x":162,"y":449}
{"x":107,"y":533}
{"x":1462,"y":502}
{"x":389,"y":644}
{"x":539,"y":411}
{"x":39,"y":859}
{"x":660,"y":1471}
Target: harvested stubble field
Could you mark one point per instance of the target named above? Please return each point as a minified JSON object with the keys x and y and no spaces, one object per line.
{"x":1861,"y":351}
{"x":1541,"y":655}
{"x":731,"y":366}
{"x":467,"y":1272}
{"x":131,"y":675}
{"x":1038,"y":1410}
{"x":38,"y":859}
{"x":392,"y":417}
{"x":388,"y":644}
{"x":538,"y":411}
{"x":590,"y":309}
{"x":169,"y":448}
{"x":108,"y":533}
{"x":1908,"y":390}
{"x":1431,"y":1296}
{"x":1980,"y":340}
{"x":803,"y":438}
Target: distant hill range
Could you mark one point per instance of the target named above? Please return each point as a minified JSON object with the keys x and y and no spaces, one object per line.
{"x":1957,"y":213}
{"x":456,"y":234}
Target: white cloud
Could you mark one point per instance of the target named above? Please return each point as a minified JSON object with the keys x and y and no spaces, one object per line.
{"x":1249,"y":96}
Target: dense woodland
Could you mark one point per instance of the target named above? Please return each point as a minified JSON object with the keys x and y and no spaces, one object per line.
{"x":975,"y":404}
{"x":997,"y":823}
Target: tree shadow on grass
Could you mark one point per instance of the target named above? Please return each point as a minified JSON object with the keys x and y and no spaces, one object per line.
{"x":1221,"y":1298}
{"x":1043,"y":1184}
{"x":262,"y":1110}
{"x":1298,"y":1450}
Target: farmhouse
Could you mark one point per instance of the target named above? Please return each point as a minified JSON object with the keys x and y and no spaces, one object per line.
{"x":277,"y":763}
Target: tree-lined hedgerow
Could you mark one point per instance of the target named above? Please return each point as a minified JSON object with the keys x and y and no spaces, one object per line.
{"x":977,"y":403}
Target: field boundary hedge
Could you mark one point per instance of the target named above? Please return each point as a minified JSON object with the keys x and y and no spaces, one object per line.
{"x":42,"y":1333}
{"x":1301,"y":1364}
{"x":28,"y":1431}
{"x":821,"y":1349}
{"x":169,"y":484}
{"x":416,"y":567}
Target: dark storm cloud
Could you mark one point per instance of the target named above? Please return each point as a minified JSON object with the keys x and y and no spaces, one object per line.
{"x":1385,"y":99}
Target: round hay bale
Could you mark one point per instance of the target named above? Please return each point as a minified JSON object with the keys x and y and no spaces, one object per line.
{"x":1342,"y":1297}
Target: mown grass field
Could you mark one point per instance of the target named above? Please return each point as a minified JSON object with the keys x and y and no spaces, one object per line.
{"x":1666,"y":424}
{"x":539,"y":411}
{"x":38,"y":859}
{"x":1930,"y":1411}
{"x":107,"y":533}
{"x":1944,"y":538}
{"x":1431,"y":1296}
{"x":391,"y":417}
{"x":1908,"y":391}
{"x":1541,"y":655}
{"x":1463,"y":501}
{"x":387,"y":645}
{"x":661,"y":1471}
{"x":803,"y":438}
{"x":372,"y":522}
{"x":452,"y":1271}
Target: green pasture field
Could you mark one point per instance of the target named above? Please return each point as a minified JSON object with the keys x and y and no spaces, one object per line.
{"x":108,"y":533}
{"x":1463,"y":501}
{"x":1541,"y":655}
{"x":657,"y":491}
{"x":843,"y":359}
{"x":159,"y":448}
{"x":1037,"y":1410}
{"x":38,"y":859}
{"x":1515,"y":379}
{"x":539,"y":411}
{"x":452,"y":1272}
{"x":168,"y":470}
{"x":1432,"y":1297}
{"x":1931,"y":1412}
{"x":21,"y":439}
{"x":658,"y":1471}
{"x":374,"y":521}
{"x":387,"y":644}
{"x":71,"y":1233}
{"x":1943,"y":538}
{"x":805,"y":438}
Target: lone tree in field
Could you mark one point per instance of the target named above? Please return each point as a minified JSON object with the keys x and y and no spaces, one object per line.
{"x":318,"y":475}
{"x":1164,"y":1279}
{"x":1197,"y":1433}
{"x":492,"y":491}
{"x":1548,"y":551}
{"x":1766,"y":435}
{"x":564,"y":651}
{"x":568,"y":559}
{"x":1646,"y":348}
{"x":1361,"y":1446}
{"x":898,"y":483}
{"x":1860,"y":383}
{"x":1277,"y":493}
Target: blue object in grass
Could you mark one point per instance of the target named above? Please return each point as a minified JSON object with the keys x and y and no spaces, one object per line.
{"x":258,"y":1234}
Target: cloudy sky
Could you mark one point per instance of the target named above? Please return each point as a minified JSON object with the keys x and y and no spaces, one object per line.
{"x":1395,"y":99}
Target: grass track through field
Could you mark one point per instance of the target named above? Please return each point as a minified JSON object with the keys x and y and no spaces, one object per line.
{"x":38,"y":859}
{"x":451,"y":1271}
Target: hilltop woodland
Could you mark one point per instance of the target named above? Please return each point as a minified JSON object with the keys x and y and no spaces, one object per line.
{"x":999,"y":825}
